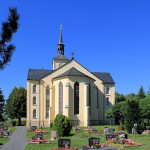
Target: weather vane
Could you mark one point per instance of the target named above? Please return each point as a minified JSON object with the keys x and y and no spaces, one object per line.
{"x":61,"y":27}
{"x":72,"y":55}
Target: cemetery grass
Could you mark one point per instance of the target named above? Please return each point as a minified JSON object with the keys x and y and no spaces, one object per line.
{"x":4,"y":140}
{"x":81,"y":138}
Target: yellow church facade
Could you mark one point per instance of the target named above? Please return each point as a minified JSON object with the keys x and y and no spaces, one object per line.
{"x":69,"y":89}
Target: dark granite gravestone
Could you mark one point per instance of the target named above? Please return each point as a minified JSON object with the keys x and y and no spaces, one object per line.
{"x":38,"y":135}
{"x":1,"y":132}
{"x":122,"y":135}
{"x":110,"y":136}
{"x":62,"y":143}
{"x":95,"y":131}
{"x":93,"y":141}
{"x":33,"y":128}
{"x":5,"y":127}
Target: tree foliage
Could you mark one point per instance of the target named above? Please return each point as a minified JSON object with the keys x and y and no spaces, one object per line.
{"x":2,"y":101}
{"x":9,"y":27}
{"x":119,"y":97}
{"x":62,"y":125}
{"x":16,"y":104}
{"x":144,"y":106}
{"x":148,"y":92}
{"x":131,"y":95}
{"x":141,"y":93}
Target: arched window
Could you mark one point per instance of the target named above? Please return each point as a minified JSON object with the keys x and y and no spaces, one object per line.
{"x":76,"y":98}
{"x":34,"y":88}
{"x":107,"y":101}
{"x":107,"y":90}
{"x":47,"y":101}
{"x":34,"y":100}
{"x":34,"y":114}
{"x":61,"y":98}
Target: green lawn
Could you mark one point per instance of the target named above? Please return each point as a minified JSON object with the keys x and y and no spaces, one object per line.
{"x":4,"y":140}
{"x":80,"y":139}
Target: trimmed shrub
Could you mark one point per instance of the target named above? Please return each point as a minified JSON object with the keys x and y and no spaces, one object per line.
{"x":14,"y":122}
{"x":62,"y":125}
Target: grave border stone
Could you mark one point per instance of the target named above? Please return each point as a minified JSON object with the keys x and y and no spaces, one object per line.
{"x":61,"y":145}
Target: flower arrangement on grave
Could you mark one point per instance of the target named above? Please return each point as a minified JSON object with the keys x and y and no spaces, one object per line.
{"x":33,"y":137}
{"x":96,"y":146}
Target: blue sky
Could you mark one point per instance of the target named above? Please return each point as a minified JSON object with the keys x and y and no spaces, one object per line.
{"x":105,"y":35}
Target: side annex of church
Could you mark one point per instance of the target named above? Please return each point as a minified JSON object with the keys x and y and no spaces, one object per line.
{"x":69,"y":89}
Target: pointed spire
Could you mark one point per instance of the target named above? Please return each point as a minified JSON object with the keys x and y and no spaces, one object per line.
{"x":60,"y":40}
{"x":60,"y":46}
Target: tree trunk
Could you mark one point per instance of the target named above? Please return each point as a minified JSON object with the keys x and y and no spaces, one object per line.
{"x":19,"y":121}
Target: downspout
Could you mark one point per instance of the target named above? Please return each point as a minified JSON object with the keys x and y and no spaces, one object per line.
{"x":39,"y":103}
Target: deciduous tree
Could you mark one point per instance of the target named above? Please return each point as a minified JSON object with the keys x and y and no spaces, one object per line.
{"x":16,"y":104}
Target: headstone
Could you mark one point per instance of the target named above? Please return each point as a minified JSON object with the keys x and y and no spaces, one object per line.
{"x":133,"y":130}
{"x":38,"y":135}
{"x":33,"y":128}
{"x":53,"y":135}
{"x":5,"y":127}
{"x":122,"y":135}
{"x":110,"y":136}
{"x":1,"y":132}
{"x":93,"y":141}
{"x":105,"y":130}
{"x":62,"y":143}
{"x":95,"y":131}
{"x":110,"y":130}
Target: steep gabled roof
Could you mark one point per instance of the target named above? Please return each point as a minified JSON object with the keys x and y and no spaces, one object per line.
{"x":72,"y":72}
{"x":105,"y":77}
{"x":38,"y":74}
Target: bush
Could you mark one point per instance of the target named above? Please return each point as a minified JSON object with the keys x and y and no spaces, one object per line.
{"x":62,"y":125}
{"x":14,"y":122}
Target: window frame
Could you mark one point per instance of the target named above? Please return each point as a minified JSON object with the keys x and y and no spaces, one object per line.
{"x":76,"y":98}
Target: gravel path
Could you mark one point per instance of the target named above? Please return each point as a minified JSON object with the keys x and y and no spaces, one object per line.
{"x":17,"y":140}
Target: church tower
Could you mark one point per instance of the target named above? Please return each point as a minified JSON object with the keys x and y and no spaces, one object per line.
{"x":60,"y":59}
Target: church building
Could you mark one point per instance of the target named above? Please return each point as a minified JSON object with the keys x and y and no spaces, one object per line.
{"x":69,"y":89}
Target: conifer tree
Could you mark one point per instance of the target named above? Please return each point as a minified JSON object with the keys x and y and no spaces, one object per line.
{"x":148,"y":92}
{"x":9,"y":27}
{"x":141,"y":93}
{"x":2,"y":101}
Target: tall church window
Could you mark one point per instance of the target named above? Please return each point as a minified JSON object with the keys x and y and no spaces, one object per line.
{"x":34,"y":100}
{"x":34,"y":88}
{"x":34,"y":114}
{"x":107,"y":101}
{"x":47,"y":101}
{"x":107,"y":90}
{"x":61,"y":98}
{"x":97,"y":96}
{"x":76,"y":98}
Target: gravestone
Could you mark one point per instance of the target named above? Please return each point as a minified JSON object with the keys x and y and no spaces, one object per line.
{"x":62,"y":143}
{"x":95,"y":131}
{"x":1,"y":132}
{"x":53,"y":135}
{"x":38,"y":135}
{"x":111,"y":131}
{"x":110,"y":136}
{"x":122,"y":135}
{"x":5,"y":127}
{"x":105,"y":130}
{"x":1,"y":126}
{"x":93,"y":141}
{"x":133,"y":130}
{"x":33,"y":128}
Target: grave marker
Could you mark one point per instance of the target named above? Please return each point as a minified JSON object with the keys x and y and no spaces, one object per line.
{"x":38,"y":135}
{"x":33,"y":128}
{"x":53,"y":135}
{"x":110,"y":130}
{"x":93,"y":141}
{"x":110,"y":136}
{"x":62,"y":143}
{"x":5,"y":127}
